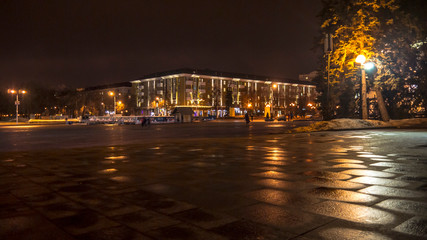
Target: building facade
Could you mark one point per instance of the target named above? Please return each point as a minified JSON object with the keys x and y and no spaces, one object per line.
{"x":108,"y":99}
{"x":220,"y":94}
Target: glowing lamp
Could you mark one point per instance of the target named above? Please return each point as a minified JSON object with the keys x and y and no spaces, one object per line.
{"x":369,"y":66}
{"x":360,"y":59}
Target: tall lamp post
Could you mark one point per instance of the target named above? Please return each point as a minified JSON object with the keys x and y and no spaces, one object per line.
{"x":12,"y":91}
{"x":111,"y":93}
{"x":369,"y":66}
{"x":273,"y":100}
{"x":361,"y":60}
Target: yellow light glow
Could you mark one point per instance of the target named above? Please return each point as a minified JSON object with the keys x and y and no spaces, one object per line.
{"x":115,"y":157}
{"x":360,"y":59}
{"x":275,"y":85}
{"x":11,"y":91}
{"x":111,"y":93}
{"x":109,"y":170}
{"x":249,"y":105}
{"x":23,"y":91}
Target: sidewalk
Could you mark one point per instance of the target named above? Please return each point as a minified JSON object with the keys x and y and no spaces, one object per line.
{"x":304,"y":186}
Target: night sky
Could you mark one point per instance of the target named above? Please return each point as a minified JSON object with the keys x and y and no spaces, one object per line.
{"x":83,"y":43}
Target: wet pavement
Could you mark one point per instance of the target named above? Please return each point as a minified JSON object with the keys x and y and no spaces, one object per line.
{"x":236,"y":182}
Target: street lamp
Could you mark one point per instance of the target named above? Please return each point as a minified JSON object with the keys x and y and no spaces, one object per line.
{"x":12,"y":91}
{"x":292,"y":113}
{"x":111,"y":93}
{"x":273,"y":100}
{"x":369,"y":66}
{"x":361,"y":60}
{"x":157,"y":106}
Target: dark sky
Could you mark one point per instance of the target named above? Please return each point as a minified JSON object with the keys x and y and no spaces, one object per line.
{"x":89,"y":42}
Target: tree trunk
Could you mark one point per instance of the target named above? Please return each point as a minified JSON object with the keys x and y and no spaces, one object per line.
{"x":383,"y":110}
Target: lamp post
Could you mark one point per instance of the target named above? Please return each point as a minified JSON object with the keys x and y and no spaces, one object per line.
{"x":369,"y":66}
{"x":111,"y":93}
{"x":361,"y":60}
{"x":292,"y":113}
{"x":273,"y":100}
{"x":157,"y":106}
{"x":12,"y":91}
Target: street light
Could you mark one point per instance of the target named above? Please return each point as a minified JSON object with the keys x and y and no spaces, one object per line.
{"x":111,"y":93}
{"x":12,"y":91}
{"x":361,"y":60}
{"x":369,"y":66}
{"x":157,"y":107}
{"x":272,"y":100}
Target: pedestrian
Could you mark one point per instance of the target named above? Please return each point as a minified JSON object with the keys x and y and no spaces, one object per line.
{"x":143,"y":122}
{"x":252,"y":117}
{"x":247,"y":118}
{"x":148,"y":122}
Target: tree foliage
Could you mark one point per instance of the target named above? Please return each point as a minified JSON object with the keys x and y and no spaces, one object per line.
{"x":386,"y":33}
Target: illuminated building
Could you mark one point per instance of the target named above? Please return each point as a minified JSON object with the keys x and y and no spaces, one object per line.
{"x":210,"y":92}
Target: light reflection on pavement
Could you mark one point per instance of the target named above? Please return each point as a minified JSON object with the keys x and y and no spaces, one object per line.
{"x":234,"y":186}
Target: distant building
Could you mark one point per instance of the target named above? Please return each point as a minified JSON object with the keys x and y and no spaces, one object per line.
{"x":308,"y":77}
{"x":217,"y":93}
{"x":107,"y":99}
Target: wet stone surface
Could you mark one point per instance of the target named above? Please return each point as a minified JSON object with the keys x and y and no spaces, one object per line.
{"x":415,"y":226}
{"x":327,"y":185}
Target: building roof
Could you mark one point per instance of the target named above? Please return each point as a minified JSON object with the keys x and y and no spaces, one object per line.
{"x":108,"y":86}
{"x":220,"y":74}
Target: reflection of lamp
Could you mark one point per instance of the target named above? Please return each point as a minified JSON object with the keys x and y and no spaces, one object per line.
{"x":361,"y":60}
{"x":12,"y":91}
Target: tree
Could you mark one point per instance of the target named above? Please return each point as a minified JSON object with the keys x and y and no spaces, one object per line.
{"x":383,"y":32}
{"x":229,"y":98}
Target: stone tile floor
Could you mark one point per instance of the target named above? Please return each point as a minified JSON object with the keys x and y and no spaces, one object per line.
{"x":338,"y":185}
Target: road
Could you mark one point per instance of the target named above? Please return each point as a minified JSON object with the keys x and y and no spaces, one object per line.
{"x":216,"y":180}
{"x":31,"y":137}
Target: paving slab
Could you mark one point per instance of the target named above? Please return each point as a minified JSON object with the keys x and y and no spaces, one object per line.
{"x":256,"y":185}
